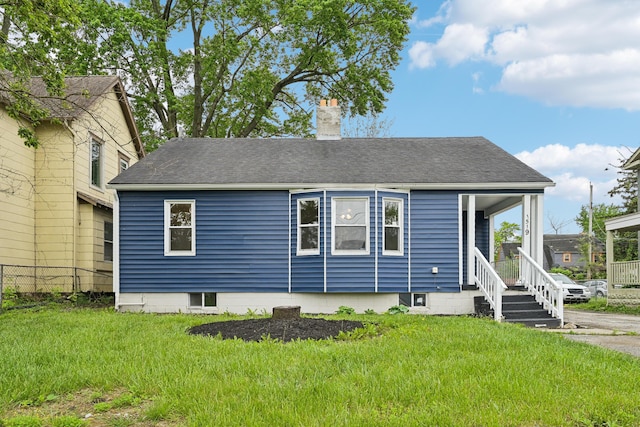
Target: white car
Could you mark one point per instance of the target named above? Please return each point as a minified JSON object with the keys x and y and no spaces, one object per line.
{"x":597,"y":287}
{"x":571,"y":291}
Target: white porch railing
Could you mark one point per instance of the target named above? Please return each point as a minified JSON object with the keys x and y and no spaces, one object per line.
{"x":624,"y":273}
{"x":490,"y":284}
{"x":538,"y":282}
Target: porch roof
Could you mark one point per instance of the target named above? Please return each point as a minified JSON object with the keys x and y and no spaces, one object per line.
{"x":629,"y":222}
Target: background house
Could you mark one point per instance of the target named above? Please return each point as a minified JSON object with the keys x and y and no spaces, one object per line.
{"x":623,"y":277}
{"x":214,"y":225}
{"x":57,"y":227}
{"x":560,"y":251}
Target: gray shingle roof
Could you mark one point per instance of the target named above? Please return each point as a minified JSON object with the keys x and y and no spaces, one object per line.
{"x":203,"y":162}
{"x":79,"y":94}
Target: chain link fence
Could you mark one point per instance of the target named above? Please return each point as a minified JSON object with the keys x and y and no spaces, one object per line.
{"x":22,"y":279}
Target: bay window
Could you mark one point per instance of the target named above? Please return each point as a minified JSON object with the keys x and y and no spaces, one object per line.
{"x":350,"y":226}
{"x":392,"y":224}
{"x":308,"y":227}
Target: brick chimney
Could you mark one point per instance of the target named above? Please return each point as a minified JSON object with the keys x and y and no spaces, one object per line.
{"x":328,"y":120}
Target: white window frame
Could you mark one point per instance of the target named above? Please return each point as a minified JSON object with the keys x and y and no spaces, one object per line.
{"x":167,"y":228}
{"x":100,"y":144}
{"x":400,"y":227}
{"x":334,"y":213}
{"x":300,"y":250}
{"x":123,"y":163}
{"x":203,"y":299}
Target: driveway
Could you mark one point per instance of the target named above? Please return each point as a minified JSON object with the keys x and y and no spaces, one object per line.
{"x":620,"y":332}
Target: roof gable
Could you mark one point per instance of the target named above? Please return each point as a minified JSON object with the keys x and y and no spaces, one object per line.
{"x":80,"y":94}
{"x":411,"y":162}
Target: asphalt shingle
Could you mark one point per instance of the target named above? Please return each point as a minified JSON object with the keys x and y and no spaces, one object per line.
{"x":379,"y":161}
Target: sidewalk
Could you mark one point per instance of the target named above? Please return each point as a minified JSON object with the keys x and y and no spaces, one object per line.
{"x":620,"y":332}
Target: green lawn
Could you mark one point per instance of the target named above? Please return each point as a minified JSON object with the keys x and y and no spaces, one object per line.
{"x":600,"y":305}
{"x":57,"y":365}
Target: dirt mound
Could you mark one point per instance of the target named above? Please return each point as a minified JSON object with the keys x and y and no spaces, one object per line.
{"x":282,"y":329}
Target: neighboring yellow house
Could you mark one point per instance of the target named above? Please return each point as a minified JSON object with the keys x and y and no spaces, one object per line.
{"x":56,"y":232}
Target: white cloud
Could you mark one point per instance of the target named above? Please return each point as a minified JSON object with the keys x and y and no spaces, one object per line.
{"x":573,"y":168}
{"x":571,"y":52}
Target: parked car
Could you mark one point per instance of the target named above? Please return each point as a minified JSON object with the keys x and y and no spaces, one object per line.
{"x":598,"y":287}
{"x":571,"y":291}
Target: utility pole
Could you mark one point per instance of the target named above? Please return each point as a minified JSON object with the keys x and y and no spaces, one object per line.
{"x":589,"y":261}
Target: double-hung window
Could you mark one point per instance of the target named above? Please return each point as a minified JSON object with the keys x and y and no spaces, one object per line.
{"x":123,"y":163}
{"x":96,"y":162}
{"x":308,"y":227}
{"x":180,"y":227}
{"x":392,"y":220}
{"x":108,"y":241}
{"x":350,"y":226}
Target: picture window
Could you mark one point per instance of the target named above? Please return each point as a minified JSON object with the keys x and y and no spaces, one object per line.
{"x":350,"y":226}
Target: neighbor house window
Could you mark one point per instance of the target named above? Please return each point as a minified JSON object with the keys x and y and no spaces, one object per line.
{"x":202,"y":300}
{"x":350,"y":226}
{"x":108,"y":241}
{"x":95,"y":167}
{"x":392,"y":220}
{"x":566,"y":257}
{"x":179,"y":227}
{"x":308,"y":227}
{"x":123,"y":162}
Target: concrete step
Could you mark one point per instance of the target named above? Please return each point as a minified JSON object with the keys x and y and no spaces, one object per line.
{"x":520,"y":308}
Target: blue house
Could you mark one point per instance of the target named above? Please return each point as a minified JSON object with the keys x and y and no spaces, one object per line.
{"x":214,"y":225}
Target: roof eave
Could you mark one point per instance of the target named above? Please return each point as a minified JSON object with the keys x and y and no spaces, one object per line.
{"x":524,"y":186}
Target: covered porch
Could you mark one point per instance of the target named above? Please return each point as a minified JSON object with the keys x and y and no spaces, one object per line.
{"x":623,"y":277}
{"x":538,"y":302}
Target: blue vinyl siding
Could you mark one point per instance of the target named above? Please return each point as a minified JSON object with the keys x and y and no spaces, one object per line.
{"x":393,"y":270}
{"x":351,"y":273}
{"x":241,"y":243}
{"x":482,"y":240}
{"x":307,"y":271}
{"x":434,"y":241}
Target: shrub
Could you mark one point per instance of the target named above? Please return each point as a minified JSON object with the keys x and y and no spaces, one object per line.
{"x":343,"y":309}
{"x":398,"y":309}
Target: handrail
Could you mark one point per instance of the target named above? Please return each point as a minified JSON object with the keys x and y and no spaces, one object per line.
{"x":489,"y":283}
{"x":541,"y":285}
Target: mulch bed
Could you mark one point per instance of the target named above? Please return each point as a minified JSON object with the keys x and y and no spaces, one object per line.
{"x":282,"y":329}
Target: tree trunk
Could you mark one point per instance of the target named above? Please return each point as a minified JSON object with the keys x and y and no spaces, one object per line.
{"x":286,"y":312}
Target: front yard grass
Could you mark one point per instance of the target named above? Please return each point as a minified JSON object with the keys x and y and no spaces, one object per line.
{"x":600,"y":305}
{"x":57,"y":366}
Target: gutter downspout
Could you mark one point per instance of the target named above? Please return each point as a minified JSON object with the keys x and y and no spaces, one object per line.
{"x":116,"y":249}
{"x":76,"y":207}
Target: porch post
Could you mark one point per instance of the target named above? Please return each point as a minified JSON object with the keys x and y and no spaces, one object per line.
{"x":610,"y":258}
{"x":537,"y":229}
{"x":526,"y":224}
{"x":471,"y":239}
{"x":492,"y":240}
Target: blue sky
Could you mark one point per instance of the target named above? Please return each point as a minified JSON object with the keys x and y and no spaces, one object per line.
{"x":556,"y":83}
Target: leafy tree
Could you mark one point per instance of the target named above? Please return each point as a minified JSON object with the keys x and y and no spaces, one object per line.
{"x":251,"y":68}
{"x":30,"y":35}
{"x":369,"y":126}
{"x":507,"y":232}
{"x":626,"y":187}
{"x":626,"y":247}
